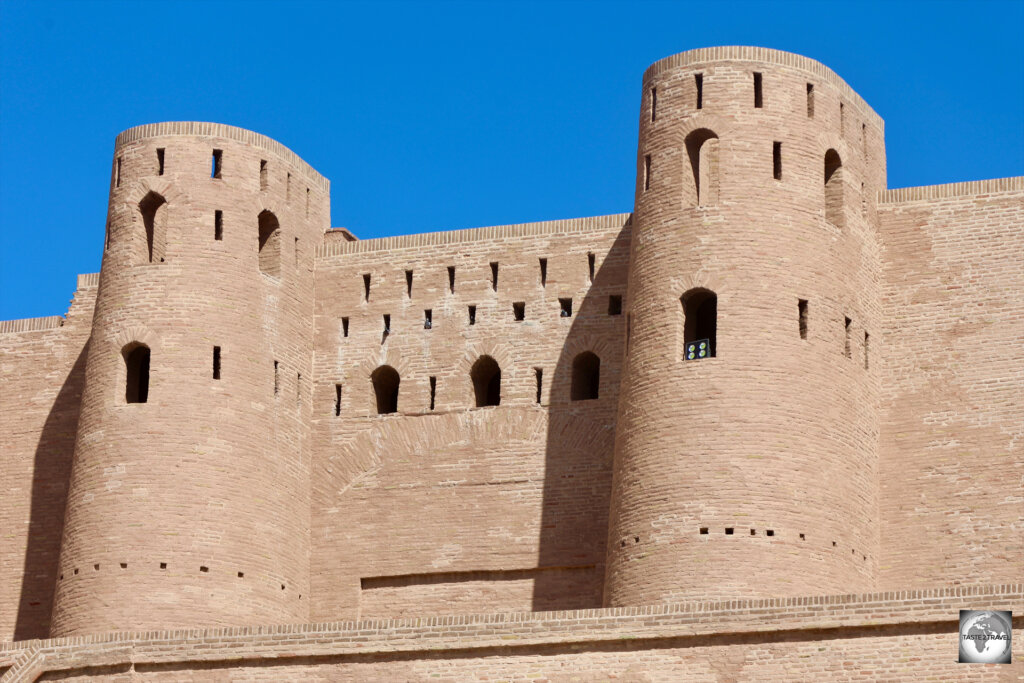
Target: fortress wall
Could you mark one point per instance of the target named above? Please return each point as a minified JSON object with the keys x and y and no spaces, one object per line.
{"x":42,"y":362}
{"x":952,"y":433}
{"x":880,"y":636}
{"x":459,"y":508}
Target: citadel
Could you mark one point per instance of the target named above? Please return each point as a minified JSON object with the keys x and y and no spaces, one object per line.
{"x":259,"y":448}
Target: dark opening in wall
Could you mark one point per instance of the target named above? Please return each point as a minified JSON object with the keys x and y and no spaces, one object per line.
{"x":810,"y":100}
{"x":117,"y":174}
{"x":163,"y":565}
{"x":758,"y":91}
{"x":866,"y":339}
{"x":494,"y":277}
{"x":408,"y":283}
{"x":833,"y":188}
{"x":777,"y":160}
{"x":538,"y":374}
{"x":215,"y":168}
{"x":433,"y":391}
{"x":264,"y":175}
{"x":519,"y":310}
{"x":615,"y":304}
{"x":269,"y":244}
{"x":153,"y":208}
{"x":629,"y":328}
{"x":387,"y":324}
{"x":295,"y":251}
{"x":565,"y":306}
{"x":846,"y":343}
{"x":543,"y":272}
{"x":216,"y":362}
{"x":218,"y":225}
{"x":366,"y":286}
{"x":647,"y":172}
{"x":591,"y":261}
{"x":288,"y":188}
{"x":702,"y":150}
{"x":337,"y":400}
{"x":842,"y":118}
{"x":698,"y":80}
{"x":753,"y":532}
{"x":729,"y":531}
{"x":486,"y":377}
{"x":307,"y":202}
{"x":298,"y":388}
{"x":803,"y":537}
{"x":802,"y":310}
{"x":136,"y":364}
{"x":770,"y":532}
{"x":472,"y":315}
{"x":428,"y":319}
{"x":700,"y":317}
{"x":586,"y":377}
{"x":277,"y":378}
{"x":451,"y":279}
{"x":204,"y":569}
{"x":344,"y":327}
{"x":864,"y":139}
{"x":704,"y":531}
{"x":654,"y":103}
{"x":385,"y":388}
{"x":160,"y":161}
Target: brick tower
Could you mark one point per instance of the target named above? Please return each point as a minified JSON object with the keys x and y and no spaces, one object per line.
{"x":189,"y":496}
{"x":750,"y":472}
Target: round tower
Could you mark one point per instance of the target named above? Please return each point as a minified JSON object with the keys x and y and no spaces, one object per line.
{"x":749,"y":470}
{"x":189,"y":497}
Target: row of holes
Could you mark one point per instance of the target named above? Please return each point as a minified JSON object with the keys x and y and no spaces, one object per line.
{"x":203,"y":569}
{"x":731,"y":531}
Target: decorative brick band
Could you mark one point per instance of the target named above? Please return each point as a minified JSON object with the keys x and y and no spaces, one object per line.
{"x":749,"y":53}
{"x":220,"y":130}
{"x":425,"y":239}
{"x":31,"y":324}
{"x":86,"y":280}
{"x":924,"y":192}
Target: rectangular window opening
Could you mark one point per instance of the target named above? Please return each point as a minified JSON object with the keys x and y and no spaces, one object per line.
{"x":538,"y":373}
{"x":698,"y":80}
{"x":847,"y":343}
{"x":519,"y":310}
{"x":408,"y":283}
{"x":216,"y":362}
{"x":770,"y":532}
{"x":867,"y":338}
{"x":729,"y":531}
{"x":704,"y":531}
{"x":777,"y":160}
{"x":451,"y":279}
{"x":494,"y":277}
{"x":566,"y":308}
{"x":472,"y":315}
{"x":810,"y":100}
{"x":433,"y":391}
{"x":758,"y":91}
{"x":543,"y":272}
{"x":263,"y":175}
{"x":216,"y":167}
{"x":654,"y":103}
{"x":428,"y":319}
{"x":591,"y":262}
{"x":218,"y":225}
{"x":344,"y":327}
{"x":117,"y":174}
{"x":366,"y":286}
{"x":615,"y":304}
{"x":337,"y":400}
{"x":277,"y":378}
{"x":753,"y":532}
{"x":802,"y":308}
{"x":160,"y":161}
{"x":647,"y":172}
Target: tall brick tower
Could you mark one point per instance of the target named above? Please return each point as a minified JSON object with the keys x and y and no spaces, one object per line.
{"x":750,"y":472}
{"x":189,"y":497}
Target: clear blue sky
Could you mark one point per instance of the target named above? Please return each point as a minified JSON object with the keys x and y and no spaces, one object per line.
{"x":437,"y":116}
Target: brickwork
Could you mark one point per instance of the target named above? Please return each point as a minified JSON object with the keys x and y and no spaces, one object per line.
{"x":250,"y":419}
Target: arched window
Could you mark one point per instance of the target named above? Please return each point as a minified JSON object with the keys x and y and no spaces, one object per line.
{"x":153,"y":208}
{"x":486,"y":376}
{"x":270,"y":244}
{"x":700,"y":317}
{"x":136,"y":364}
{"x":385,"y":387}
{"x":833,"y":188}
{"x":702,"y":150}
{"x":586,"y":376}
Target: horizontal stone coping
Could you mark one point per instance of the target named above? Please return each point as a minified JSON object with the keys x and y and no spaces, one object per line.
{"x":31,"y":324}
{"x":923,"y":192}
{"x":220,"y":130}
{"x":751,"y":53}
{"x":495,"y":232}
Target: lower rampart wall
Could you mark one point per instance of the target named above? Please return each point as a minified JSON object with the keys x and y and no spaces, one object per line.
{"x":878,"y":636}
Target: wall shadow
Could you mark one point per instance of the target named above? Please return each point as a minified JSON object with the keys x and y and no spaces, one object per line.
{"x":51,"y":476}
{"x":579,"y":449}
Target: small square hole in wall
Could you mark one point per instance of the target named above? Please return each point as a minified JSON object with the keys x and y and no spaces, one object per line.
{"x":241,"y":575}
{"x":519,"y":310}
{"x":753,"y":532}
{"x":728,"y":531}
{"x":95,"y":567}
{"x":204,"y":569}
{"x":833,"y":544}
{"x":803,"y":537}
{"x":704,"y":531}
{"x":770,"y":532}
{"x":163,"y":565}
{"x":76,"y":572}
{"x":472,"y":315}
{"x":566,"y":308}
{"x":615,"y":304}
{"x":124,"y":565}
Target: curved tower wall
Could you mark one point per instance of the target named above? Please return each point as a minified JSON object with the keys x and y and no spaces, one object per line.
{"x":192,"y":509}
{"x":776,"y":432}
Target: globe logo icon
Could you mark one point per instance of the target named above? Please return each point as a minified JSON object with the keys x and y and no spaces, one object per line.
{"x":984,"y":636}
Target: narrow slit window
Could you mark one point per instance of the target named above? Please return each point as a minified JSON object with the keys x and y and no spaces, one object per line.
{"x":654,"y":103}
{"x":864,"y":139}
{"x":538,"y":374}
{"x":136,"y":362}
{"x":277,"y":378}
{"x":433,"y":391}
{"x":867,"y":338}
{"x":451,"y":279}
{"x":777,"y":160}
{"x":543,"y":272}
{"x":810,"y":100}
{"x":846,"y":346}
{"x":647,"y":172}
{"x":802,"y":310}
{"x":264,"y":175}
{"x":216,"y":362}
{"x":307,"y":202}
{"x":117,"y":174}
{"x":519,"y":310}
{"x":295,"y":251}
{"x":337,"y":400}
{"x":160,"y":161}
{"x":615,"y":304}
{"x":288,"y":188}
{"x":408,"y":284}
{"x":366,"y":286}
{"x":758,"y":91}
{"x":472,"y":315}
{"x":591,"y":261}
{"x":387,"y":324}
{"x":698,"y":80}
{"x":842,"y":119}
{"x":494,"y":277}
{"x":215,"y":168}
{"x":344,"y":327}
{"x":428,"y":319}
{"x":298,"y":388}
{"x":565,"y":306}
